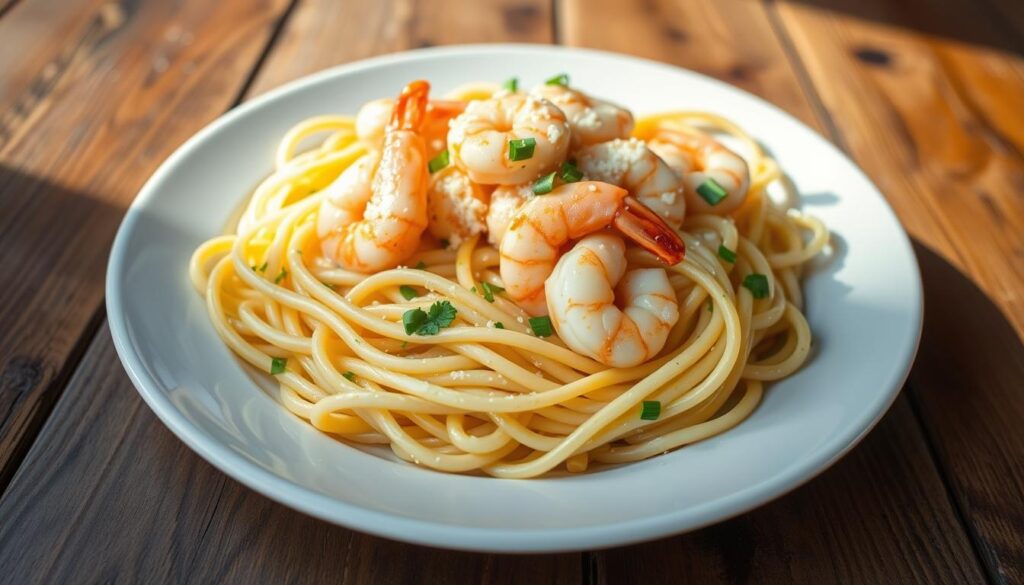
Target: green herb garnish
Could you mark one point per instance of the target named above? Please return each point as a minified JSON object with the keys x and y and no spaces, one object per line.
{"x":278,"y":365}
{"x":650,"y":410}
{"x":757,"y":284}
{"x":569,"y":173}
{"x":544,"y":184}
{"x":280,"y":276}
{"x":263,"y":268}
{"x":560,"y":79}
{"x":541,"y":326}
{"x":438,"y":162}
{"x":726,"y":254}
{"x":420,"y":322}
{"x":512,"y":84}
{"x":499,"y":325}
{"x":421,"y":265}
{"x":489,"y":290}
{"x":521,"y":149}
{"x":711,"y":192}
{"x":350,"y":376}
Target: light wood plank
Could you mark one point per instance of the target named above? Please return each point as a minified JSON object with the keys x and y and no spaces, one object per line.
{"x":936,"y":120}
{"x":861,"y":523}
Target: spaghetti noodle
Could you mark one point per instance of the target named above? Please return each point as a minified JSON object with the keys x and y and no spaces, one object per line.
{"x":486,"y":393}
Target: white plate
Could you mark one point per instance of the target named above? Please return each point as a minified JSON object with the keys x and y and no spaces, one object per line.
{"x":864,"y":307}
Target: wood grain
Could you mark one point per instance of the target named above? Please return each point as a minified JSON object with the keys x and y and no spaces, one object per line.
{"x":94,"y":96}
{"x":938,"y":125}
{"x":108,"y":494}
{"x":798,"y":539}
{"x":310,"y":41}
{"x":879,"y":516}
{"x":968,"y":389}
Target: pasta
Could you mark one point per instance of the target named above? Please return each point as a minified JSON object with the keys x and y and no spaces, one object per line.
{"x":490,"y":391}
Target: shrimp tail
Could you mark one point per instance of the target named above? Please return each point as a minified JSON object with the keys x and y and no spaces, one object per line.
{"x":637,"y":222}
{"x":411,"y":107}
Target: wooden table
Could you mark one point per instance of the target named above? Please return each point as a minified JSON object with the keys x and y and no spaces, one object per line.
{"x":927,"y":96}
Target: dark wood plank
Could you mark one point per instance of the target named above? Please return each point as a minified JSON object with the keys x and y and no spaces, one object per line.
{"x":94,"y":95}
{"x":168,"y":515}
{"x":971,"y":396}
{"x":108,"y":494}
{"x":883,"y":513}
{"x":936,"y":120}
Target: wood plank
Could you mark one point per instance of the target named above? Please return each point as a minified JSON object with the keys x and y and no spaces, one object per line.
{"x":881,"y":515}
{"x":972,"y":406}
{"x":864,"y":521}
{"x":108,"y":494}
{"x":936,"y":121}
{"x":94,"y":95}
{"x":195,"y":524}
{"x":310,"y":43}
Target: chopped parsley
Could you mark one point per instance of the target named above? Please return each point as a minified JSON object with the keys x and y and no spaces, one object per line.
{"x":420,"y":322}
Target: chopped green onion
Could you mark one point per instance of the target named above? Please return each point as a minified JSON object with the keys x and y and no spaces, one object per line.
{"x":408,"y":292}
{"x":521,"y":148}
{"x":499,"y":325}
{"x":757,"y":284}
{"x":420,"y":322}
{"x":278,"y":365}
{"x":726,"y":254}
{"x":253,"y":266}
{"x":421,"y":265}
{"x":711,"y":306}
{"x":489,"y":290}
{"x":263,"y":268}
{"x":650,"y":410}
{"x":438,"y":162}
{"x":405,"y":344}
{"x":541,"y":326}
{"x":281,"y":276}
{"x":512,"y":84}
{"x":350,"y":376}
{"x":569,"y":173}
{"x":711,"y":192}
{"x":544,"y":184}
{"x":560,"y":79}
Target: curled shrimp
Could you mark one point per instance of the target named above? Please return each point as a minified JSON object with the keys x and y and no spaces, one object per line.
{"x":699,"y":157}
{"x":373,"y":215}
{"x":505,"y":201}
{"x":479,"y":139}
{"x":457,"y":207}
{"x":534,"y":239}
{"x":636,"y":168}
{"x":591,"y":120}
{"x":372,"y":121}
{"x":584,"y":293}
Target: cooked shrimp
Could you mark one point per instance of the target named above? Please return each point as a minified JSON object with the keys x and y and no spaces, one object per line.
{"x":584,"y":293}
{"x":591,"y":120}
{"x":697,"y":158}
{"x":372,"y":121}
{"x":479,"y":139}
{"x":505,"y":201}
{"x":636,"y":168}
{"x":543,"y":225}
{"x":374,"y":213}
{"x":457,"y":207}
